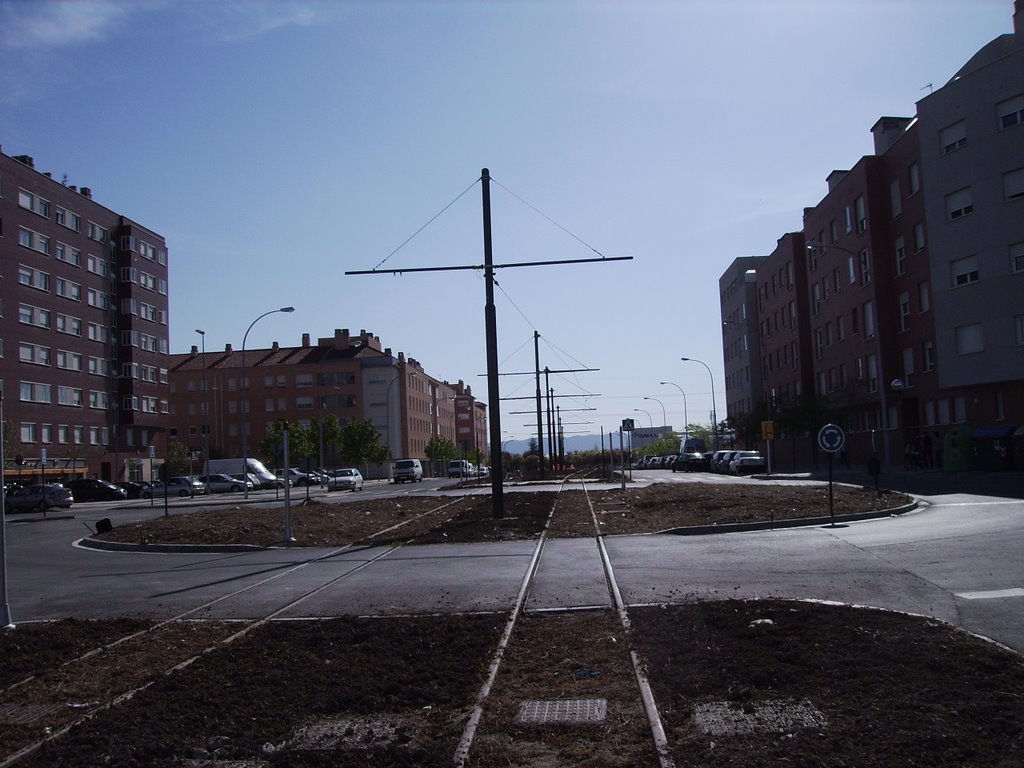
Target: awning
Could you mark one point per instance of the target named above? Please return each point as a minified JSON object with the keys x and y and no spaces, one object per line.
{"x":1000,"y":432}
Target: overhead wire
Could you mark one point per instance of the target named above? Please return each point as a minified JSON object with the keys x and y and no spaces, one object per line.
{"x":536,"y":210}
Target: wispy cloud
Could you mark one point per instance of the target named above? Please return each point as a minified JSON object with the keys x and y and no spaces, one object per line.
{"x":248,"y":20}
{"x":48,"y":25}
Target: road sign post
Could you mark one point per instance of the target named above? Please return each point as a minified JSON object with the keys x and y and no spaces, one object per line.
{"x":831,"y":439}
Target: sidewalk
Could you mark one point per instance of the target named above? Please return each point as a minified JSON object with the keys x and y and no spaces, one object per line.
{"x":919,"y":482}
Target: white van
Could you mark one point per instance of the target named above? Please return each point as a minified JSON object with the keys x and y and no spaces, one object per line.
{"x":407,"y":469}
{"x":460,"y":468}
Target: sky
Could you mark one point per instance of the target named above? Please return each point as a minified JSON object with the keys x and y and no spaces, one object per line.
{"x":278,"y":145}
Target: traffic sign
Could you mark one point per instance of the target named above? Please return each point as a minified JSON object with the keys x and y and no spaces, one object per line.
{"x":831,"y":438}
{"x":767,"y":430}
{"x":628,"y":425}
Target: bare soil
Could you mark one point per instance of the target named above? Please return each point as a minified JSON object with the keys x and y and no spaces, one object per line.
{"x":737,"y":683}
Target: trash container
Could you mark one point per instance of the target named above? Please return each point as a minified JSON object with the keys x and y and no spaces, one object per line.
{"x":957,"y":449}
{"x":993,"y":447}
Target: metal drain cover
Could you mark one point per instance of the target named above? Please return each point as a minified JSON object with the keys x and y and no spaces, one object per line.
{"x":725,"y":718}
{"x":572,"y":711}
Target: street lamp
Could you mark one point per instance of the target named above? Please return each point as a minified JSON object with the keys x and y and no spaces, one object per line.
{"x":641,"y":410}
{"x":686,"y":420}
{"x":664,"y":417}
{"x":714,"y":408}
{"x":245,"y":402}
{"x":206,"y":414}
{"x":879,"y":374}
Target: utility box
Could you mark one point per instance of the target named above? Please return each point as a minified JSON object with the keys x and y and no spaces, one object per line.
{"x":957,"y":449}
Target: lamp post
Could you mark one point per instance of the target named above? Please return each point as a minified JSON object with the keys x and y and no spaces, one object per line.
{"x":206,"y":414}
{"x":879,"y":372}
{"x":714,"y":408}
{"x":664,"y":416}
{"x":245,"y":403}
{"x":686,"y":420}
{"x":649,"y":419}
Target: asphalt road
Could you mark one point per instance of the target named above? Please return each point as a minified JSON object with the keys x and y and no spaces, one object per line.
{"x":958,"y":558}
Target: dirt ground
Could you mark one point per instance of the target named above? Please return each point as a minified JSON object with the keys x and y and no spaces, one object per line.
{"x":736,"y":683}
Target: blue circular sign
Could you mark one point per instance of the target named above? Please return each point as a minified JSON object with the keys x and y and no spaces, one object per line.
{"x":831,"y":438}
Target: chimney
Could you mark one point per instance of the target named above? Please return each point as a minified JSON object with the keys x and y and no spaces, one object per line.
{"x":25,"y":160}
{"x":275,"y":346}
{"x":305,"y":341}
{"x":1018,"y":18}
{"x":227,"y":348}
{"x":834,"y":178}
{"x":86,"y":192}
{"x":194,"y":352}
{"x":887,"y":130}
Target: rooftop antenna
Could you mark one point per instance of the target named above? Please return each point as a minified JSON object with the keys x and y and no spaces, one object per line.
{"x":929,"y":87}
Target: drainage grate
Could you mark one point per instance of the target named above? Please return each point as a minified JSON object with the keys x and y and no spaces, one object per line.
{"x":26,"y":714}
{"x":572,"y":711}
{"x":350,"y":732}
{"x":725,"y":718}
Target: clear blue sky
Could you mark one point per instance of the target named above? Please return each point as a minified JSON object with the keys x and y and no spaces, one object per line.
{"x":277,"y":145}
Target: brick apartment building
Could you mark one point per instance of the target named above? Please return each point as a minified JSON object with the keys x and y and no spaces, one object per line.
{"x":84,"y":343}
{"x":903,"y":318}
{"x":350,"y":377}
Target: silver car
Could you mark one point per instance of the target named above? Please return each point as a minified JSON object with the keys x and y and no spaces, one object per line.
{"x":221,"y":483}
{"x":345,"y":480}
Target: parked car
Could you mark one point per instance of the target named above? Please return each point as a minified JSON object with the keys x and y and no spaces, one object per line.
{"x":349,"y":479}
{"x":296,"y":477}
{"x":256,"y":484}
{"x":690,"y":462}
{"x":91,"y":489}
{"x":221,"y":483}
{"x":135,"y":490}
{"x":717,"y":459}
{"x":180,"y":486}
{"x":747,"y":463}
{"x":38,"y":498}
{"x":459,"y":468}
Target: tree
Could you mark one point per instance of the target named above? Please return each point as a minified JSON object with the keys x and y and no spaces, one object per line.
{"x":360,"y":442}
{"x":177,"y":458}
{"x":271,"y":448}
{"x":440,"y":449}
{"x":533,"y":447}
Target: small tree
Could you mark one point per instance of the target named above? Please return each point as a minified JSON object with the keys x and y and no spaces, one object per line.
{"x":177,"y":458}
{"x":360,"y":442}
{"x":440,"y":449}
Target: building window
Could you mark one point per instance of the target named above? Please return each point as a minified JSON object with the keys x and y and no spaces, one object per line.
{"x":69,"y":396}
{"x":28,"y":433}
{"x":34,"y":392}
{"x":1018,"y":326}
{"x":34,"y":354}
{"x":304,"y":380}
{"x":865,"y":268}
{"x":901,"y":255}
{"x":959,"y":204}
{"x":68,"y":289}
{"x":854,"y":321}
{"x":923,"y":296}
{"x":34,"y":278}
{"x":1017,"y":257}
{"x":848,"y":219}
{"x":953,"y":137}
{"x":969,"y":339}
{"x":861,"y":213}
{"x":29,"y":315}
{"x":34,"y":203}
{"x":964,"y":271}
{"x":928,"y":353}
{"x":851,"y":266}
{"x":895,"y":198}
{"x":872,"y":374}
{"x":304,"y":403}
{"x":904,"y":302}
{"x":67,"y":254}
{"x":919,"y":237}
{"x":869,"y":320}
{"x":69,"y":325}
{"x":914,"y":178}
{"x":1011,"y":112}
{"x":1013,"y":184}
{"x":817,"y":299}
{"x":908,"y":366}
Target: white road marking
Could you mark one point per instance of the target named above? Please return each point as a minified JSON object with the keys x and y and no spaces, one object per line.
{"x":992,"y":594}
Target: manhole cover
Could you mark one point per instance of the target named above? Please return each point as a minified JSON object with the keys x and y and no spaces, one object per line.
{"x":26,"y":714}
{"x":579,"y":711}
{"x":724,"y":718}
{"x":352,"y":732}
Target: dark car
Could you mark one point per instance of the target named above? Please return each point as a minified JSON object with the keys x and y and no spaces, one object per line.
{"x":136,"y":490}
{"x":38,"y":498}
{"x":690,"y":462}
{"x":91,"y":489}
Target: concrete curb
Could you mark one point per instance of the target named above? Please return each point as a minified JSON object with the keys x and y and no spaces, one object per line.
{"x":703,"y":530}
{"x":123,"y":546}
